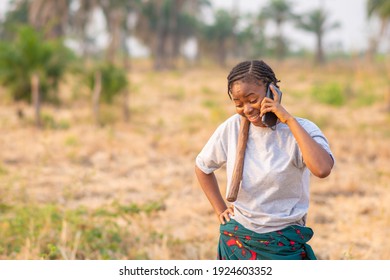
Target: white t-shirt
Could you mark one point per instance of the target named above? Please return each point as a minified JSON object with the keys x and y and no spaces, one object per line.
{"x":275,"y":184}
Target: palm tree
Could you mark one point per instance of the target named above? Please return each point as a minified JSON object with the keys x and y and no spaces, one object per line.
{"x":315,"y":22}
{"x":251,"y":40}
{"x":164,"y":25}
{"x":217,"y":37}
{"x":151,"y":28}
{"x":105,"y":81}
{"x":279,"y":11}
{"x":31,"y":64}
{"x":116,"y":13}
{"x":79,"y":19}
{"x":381,"y":8}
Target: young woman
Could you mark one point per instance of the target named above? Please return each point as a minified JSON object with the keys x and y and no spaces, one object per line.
{"x":267,"y":221}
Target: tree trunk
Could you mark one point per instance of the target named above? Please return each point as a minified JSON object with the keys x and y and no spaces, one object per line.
{"x":36,"y":98}
{"x":174,"y":33}
{"x":319,"y":53}
{"x":388,"y":98}
{"x":160,"y":48}
{"x":126,"y":109}
{"x":221,"y":53}
{"x":115,"y":17}
{"x":127,"y":54}
{"x":127,"y":65}
{"x":49,"y":16}
{"x":280,"y":47}
{"x":96,"y":95}
{"x":387,"y":94}
{"x":372,"y":48}
{"x":374,"y":41}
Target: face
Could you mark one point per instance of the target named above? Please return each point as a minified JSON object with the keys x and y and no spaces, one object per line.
{"x":247,"y":98}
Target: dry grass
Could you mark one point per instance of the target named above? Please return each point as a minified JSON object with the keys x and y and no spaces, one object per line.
{"x":136,"y":183}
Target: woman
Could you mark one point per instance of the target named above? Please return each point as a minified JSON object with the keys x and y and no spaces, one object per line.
{"x":267,"y":221}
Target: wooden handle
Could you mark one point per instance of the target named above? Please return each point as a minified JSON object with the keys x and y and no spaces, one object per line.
{"x":239,"y":164}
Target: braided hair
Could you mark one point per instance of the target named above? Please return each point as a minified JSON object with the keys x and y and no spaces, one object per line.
{"x":251,"y":71}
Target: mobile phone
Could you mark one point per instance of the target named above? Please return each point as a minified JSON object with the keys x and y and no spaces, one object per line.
{"x":269,"y":119}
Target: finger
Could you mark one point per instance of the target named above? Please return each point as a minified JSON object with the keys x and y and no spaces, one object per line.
{"x":274,"y":91}
{"x":221,"y":219}
{"x":266,"y":100}
{"x":224,"y":217}
{"x":265,"y":108}
{"x":263,"y":104}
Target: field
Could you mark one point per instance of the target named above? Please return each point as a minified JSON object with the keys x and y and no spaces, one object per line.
{"x":75,"y":190}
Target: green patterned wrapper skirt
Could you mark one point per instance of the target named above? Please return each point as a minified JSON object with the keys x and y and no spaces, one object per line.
{"x":239,"y":243}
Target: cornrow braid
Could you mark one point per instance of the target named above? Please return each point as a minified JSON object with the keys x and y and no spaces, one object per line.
{"x":251,"y":71}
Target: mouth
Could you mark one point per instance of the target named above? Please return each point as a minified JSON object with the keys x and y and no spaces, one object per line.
{"x":254,"y":118}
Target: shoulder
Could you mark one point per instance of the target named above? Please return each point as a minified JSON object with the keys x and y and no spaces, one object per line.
{"x":232,"y":123}
{"x":308,"y":125}
{"x":233,"y":120}
{"x":226,"y":129}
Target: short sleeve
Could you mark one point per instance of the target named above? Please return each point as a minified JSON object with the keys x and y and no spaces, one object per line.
{"x":214,"y":153}
{"x":315,"y":132}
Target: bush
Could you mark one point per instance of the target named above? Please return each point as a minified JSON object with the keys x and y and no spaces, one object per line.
{"x":114,"y":80}
{"x":330,"y":93}
{"x":29,"y":53}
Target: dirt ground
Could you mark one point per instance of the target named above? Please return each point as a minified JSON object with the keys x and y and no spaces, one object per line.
{"x":151,"y":158}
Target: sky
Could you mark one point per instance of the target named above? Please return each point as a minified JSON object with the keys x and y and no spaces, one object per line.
{"x":352,"y":35}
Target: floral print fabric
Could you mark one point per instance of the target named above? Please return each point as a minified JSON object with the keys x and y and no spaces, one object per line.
{"x":239,"y":243}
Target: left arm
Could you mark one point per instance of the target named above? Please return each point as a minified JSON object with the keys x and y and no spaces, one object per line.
{"x":317,"y":159}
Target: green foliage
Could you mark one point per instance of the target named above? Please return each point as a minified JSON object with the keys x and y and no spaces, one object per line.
{"x":280,"y":12}
{"x":210,"y":103}
{"x":329,"y":93}
{"x":14,"y":18}
{"x":72,"y":141}
{"x":55,"y":232}
{"x":251,"y":41}
{"x":114,"y":80}
{"x":379,"y":7}
{"x":50,"y":122}
{"x":217,"y":36}
{"x":29,"y":53}
{"x":222,"y":28}
{"x":134,"y":208}
{"x":364,"y":98}
{"x":3,"y":170}
{"x":207,"y":91}
{"x":317,"y":22}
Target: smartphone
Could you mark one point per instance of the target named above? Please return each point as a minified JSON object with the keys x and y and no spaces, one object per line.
{"x":269,"y":119}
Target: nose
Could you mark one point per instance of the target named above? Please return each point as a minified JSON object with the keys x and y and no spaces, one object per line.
{"x":247,"y":109}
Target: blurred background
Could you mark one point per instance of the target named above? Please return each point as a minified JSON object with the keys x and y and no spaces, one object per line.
{"x":104,"y":106}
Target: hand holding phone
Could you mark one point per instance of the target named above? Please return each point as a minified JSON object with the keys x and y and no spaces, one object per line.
{"x":269,"y":119}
